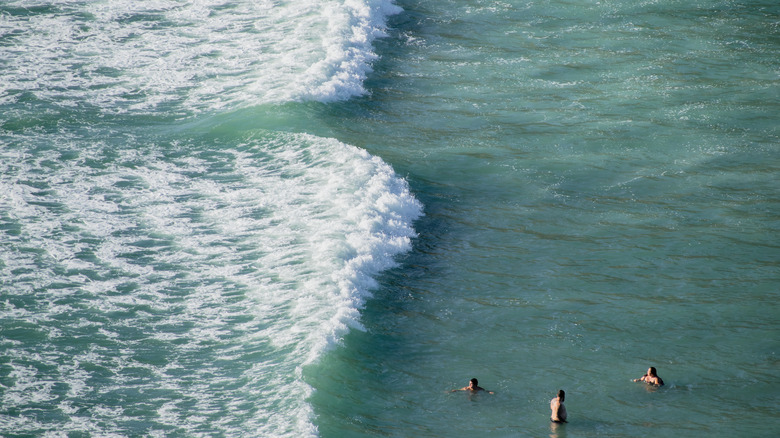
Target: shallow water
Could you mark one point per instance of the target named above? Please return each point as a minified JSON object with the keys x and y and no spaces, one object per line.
{"x":598,"y":182}
{"x":202,"y":234}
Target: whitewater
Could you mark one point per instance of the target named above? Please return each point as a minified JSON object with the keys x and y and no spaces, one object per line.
{"x":291,"y":218}
{"x":161,"y":273}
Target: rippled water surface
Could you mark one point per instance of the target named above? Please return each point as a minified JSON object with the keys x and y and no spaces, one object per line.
{"x":284,"y":219}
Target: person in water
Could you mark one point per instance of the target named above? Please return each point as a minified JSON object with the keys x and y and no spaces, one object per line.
{"x":473,"y":387}
{"x":558,"y":409}
{"x":651,"y":378}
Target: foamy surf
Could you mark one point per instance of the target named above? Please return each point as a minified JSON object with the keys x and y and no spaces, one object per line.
{"x":192,"y":56}
{"x":158,"y":283}
{"x":195,"y":285}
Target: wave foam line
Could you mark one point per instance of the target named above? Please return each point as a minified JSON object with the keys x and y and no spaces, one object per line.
{"x":130,"y":56}
{"x":352,"y":28}
{"x":231,"y":267}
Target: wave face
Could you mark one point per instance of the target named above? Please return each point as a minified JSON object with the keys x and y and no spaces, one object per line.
{"x":157,"y":280}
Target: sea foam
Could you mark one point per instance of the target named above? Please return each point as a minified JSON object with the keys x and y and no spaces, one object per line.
{"x":190,"y":56}
{"x":171,"y":282}
{"x":208,"y":279}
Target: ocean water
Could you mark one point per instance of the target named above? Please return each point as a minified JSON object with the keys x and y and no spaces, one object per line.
{"x":289,"y":219}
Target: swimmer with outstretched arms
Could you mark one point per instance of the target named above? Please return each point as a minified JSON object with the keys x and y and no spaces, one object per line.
{"x":473,"y":387}
{"x":651,"y":378}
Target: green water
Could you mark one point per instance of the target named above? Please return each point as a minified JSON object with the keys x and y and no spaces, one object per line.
{"x":599,"y":182}
{"x":197,"y":200}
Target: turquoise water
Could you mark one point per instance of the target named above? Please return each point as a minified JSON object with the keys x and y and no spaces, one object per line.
{"x":274,"y":219}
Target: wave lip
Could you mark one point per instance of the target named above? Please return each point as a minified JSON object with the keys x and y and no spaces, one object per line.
{"x":375,"y":211}
{"x":352,"y":28}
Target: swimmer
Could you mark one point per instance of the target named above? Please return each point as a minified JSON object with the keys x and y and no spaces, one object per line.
{"x":651,"y":378}
{"x":558,"y":409}
{"x":473,"y":387}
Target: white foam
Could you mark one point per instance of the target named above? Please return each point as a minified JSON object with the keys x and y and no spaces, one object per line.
{"x":127,"y":55}
{"x":351,"y":30}
{"x":288,"y":240}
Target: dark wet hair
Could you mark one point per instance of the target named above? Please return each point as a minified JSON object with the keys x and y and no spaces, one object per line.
{"x":561,"y":394}
{"x":474,"y":381}
{"x":653,"y":372}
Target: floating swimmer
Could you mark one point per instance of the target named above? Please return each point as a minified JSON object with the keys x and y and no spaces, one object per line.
{"x":473,"y":387}
{"x":651,"y":378}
